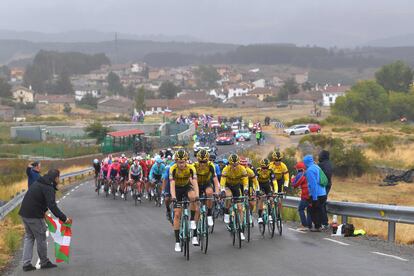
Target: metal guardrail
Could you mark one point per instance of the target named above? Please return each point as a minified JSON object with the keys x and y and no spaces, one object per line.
{"x":13,"y":203}
{"x":390,"y":213}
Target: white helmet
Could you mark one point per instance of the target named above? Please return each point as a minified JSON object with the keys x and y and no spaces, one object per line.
{"x":139,"y":158}
{"x":95,"y":161}
{"x":123,"y":155}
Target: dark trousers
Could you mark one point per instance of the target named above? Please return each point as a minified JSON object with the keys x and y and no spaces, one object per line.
{"x":324,"y":212}
{"x":317,"y":212}
{"x":305,"y":219}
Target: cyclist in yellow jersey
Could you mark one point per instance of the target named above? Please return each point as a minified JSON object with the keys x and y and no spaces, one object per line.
{"x":183,"y":181}
{"x":206,"y":172}
{"x":234,"y":178}
{"x":268,"y":184}
{"x":251,"y":175}
{"x":280,"y":171}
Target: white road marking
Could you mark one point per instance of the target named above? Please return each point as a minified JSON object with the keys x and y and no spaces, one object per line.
{"x":296,"y":230}
{"x":72,"y":190}
{"x":63,"y":197}
{"x":339,"y":242}
{"x":77,"y":187}
{"x":58,"y":201}
{"x":68,"y":194}
{"x":391,"y":256}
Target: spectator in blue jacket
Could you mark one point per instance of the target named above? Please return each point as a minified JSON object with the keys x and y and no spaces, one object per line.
{"x":316,"y":191}
{"x":33,"y":173}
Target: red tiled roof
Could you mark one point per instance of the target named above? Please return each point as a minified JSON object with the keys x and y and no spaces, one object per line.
{"x":124,"y":133}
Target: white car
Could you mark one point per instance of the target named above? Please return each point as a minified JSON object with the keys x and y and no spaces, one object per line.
{"x":297,"y":129}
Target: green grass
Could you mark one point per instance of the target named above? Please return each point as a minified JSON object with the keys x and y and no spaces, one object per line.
{"x":290,"y":214}
{"x":342,"y":129}
{"x":12,"y":240}
{"x":15,"y":217}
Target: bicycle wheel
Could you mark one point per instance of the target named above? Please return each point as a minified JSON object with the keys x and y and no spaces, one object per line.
{"x":262,"y":225}
{"x":204,"y":234}
{"x":279,"y":219}
{"x":238,"y":229}
{"x":247,"y":221}
{"x":271,"y":222}
{"x":98,"y":186}
{"x":106,"y":189}
{"x":233,"y":228}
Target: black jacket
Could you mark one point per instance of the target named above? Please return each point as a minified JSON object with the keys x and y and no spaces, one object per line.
{"x":39,"y":198}
{"x":326,"y":165}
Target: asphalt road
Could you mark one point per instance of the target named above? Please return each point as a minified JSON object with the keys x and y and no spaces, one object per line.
{"x":114,"y":237}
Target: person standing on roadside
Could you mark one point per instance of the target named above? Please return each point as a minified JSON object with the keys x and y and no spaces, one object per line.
{"x":317,"y":191}
{"x":33,"y":173}
{"x":300,"y":181}
{"x":326,"y":166}
{"x":39,"y":198}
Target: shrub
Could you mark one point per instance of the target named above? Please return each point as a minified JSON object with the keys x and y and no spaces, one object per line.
{"x":407,"y":129}
{"x":336,"y":120}
{"x":349,"y":162}
{"x":12,"y":240}
{"x":305,"y":120}
{"x":322,"y":141}
{"x":290,"y":214}
{"x":342,"y":129}
{"x":381,"y":143}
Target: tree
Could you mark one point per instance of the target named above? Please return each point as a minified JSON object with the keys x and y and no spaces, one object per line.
{"x":168,"y":90}
{"x":401,"y":104}
{"x":63,"y":85}
{"x":207,"y":76}
{"x":140,"y":99}
{"x":307,"y":86}
{"x":89,"y":101}
{"x":5,"y":72}
{"x":97,"y":130}
{"x":114,"y":83}
{"x":66,"y":108}
{"x":130,"y":92}
{"x":290,"y":87}
{"x":5,"y":89}
{"x":396,"y":76}
{"x":366,"y":101}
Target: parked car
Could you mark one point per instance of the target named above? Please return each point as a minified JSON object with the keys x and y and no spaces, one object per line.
{"x":297,"y":129}
{"x":314,"y":128}
{"x":243,"y":135}
{"x":234,"y":128}
{"x":225,"y":139}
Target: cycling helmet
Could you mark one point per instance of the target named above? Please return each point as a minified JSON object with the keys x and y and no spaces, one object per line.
{"x":203,"y":155}
{"x":95,"y":161}
{"x":123,"y":155}
{"x":158,"y":160}
{"x":233,"y":159}
{"x":181,"y":154}
{"x":225,"y":161}
{"x":277,"y":156}
{"x":213,"y":157}
{"x":264,"y":163}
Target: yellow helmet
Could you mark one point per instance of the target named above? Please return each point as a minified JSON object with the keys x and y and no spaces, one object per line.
{"x":203,"y":155}
{"x":181,"y":154}
{"x":233,"y":159}
{"x":277,"y":156}
{"x":264,"y":163}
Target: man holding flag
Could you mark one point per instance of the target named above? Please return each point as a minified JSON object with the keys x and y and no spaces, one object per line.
{"x":39,"y":198}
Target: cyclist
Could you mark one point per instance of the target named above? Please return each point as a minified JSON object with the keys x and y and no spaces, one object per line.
{"x":183,"y":181}
{"x":280,"y":171}
{"x":217,"y":167}
{"x":97,"y":167}
{"x":234,"y":178}
{"x":205,"y":172}
{"x":268,"y":184}
{"x":166,"y":191}
{"x":135,"y":176}
{"x":113,"y":172}
{"x":155,"y":174}
{"x":251,"y":174}
{"x":123,"y":173}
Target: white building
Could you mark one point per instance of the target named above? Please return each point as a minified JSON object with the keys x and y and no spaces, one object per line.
{"x":259,"y":83}
{"x":23,"y":95}
{"x":81,"y":92}
{"x":331,"y":93}
{"x":277,"y":82}
{"x":238,"y":90}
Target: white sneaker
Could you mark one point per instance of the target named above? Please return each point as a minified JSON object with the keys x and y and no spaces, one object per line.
{"x":132,"y":193}
{"x":177,"y":247}
{"x":260,"y":220}
{"x":146,"y":196}
{"x":193,"y":225}
{"x":226,"y":218}
{"x":194,"y":241}
{"x":116,"y":194}
{"x":270,"y":218}
{"x":122,"y":196}
{"x":109,"y":191}
{"x":242,"y":237}
{"x":152,"y":192}
{"x":210,"y":221}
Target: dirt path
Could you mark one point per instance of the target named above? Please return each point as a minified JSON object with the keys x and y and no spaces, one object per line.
{"x":274,"y":138}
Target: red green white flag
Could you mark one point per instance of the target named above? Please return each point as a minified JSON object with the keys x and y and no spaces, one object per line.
{"x":61,"y":234}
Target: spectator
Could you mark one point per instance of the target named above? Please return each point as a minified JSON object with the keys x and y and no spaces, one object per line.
{"x":39,"y":198}
{"x":326,"y":166}
{"x":317,"y":192}
{"x":33,"y":173}
{"x":300,"y":181}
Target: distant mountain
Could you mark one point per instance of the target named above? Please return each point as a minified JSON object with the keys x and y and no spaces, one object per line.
{"x":394,"y":41}
{"x":120,"y":52}
{"x":88,"y":36}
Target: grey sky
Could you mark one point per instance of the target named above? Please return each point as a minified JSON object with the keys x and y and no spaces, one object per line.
{"x":321,"y":22}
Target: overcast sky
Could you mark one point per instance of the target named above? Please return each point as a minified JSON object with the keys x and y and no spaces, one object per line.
{"x":321,"y":22}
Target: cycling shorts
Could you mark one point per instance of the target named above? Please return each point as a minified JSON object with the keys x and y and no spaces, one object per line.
{"x":202,"y":188}
{"x":182,"y":191}
{"x":123,"y":174}
{"x":266,"y":188}
{"x":135,"y":177}
{"x":235,"y":190}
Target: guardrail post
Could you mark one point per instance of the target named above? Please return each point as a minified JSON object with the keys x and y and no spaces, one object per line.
{"x":344,"y":219}
{"x":391,"y":231}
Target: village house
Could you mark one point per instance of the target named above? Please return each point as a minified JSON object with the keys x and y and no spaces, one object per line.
{"x":161,"y":105}
{"x":277,"y":82}
{"x":262,"y":93}
{"x":196,"y":97}
{"x":261,"y":83}
{"x":59,"y":100}
{"x":117,"y":105}
{"x":331,"y":93}
{"x":238,"y":90}
{"x":16,"y":74}
{"x":23,"y":95}
{"x":301,"y":77}
{"x":155,"y":74}
{"x":82,"y":91}
{"x":243,"y":101}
